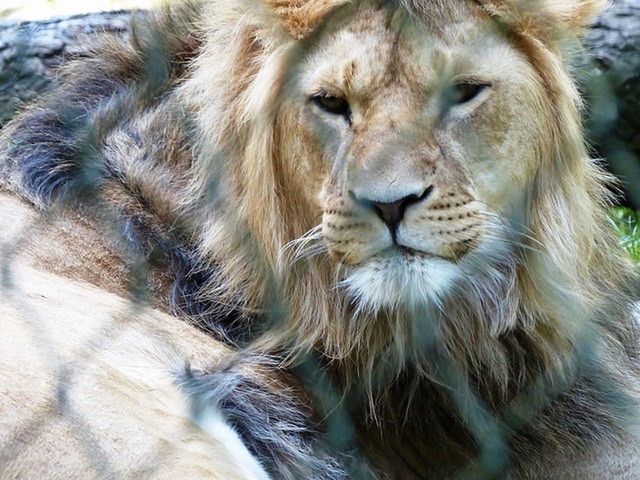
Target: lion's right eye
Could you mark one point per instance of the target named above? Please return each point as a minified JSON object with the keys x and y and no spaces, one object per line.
{"x":332,"y":104}
{"x":464,"y":92}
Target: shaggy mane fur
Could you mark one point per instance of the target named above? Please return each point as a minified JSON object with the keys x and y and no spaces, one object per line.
{"x":187,"y":157}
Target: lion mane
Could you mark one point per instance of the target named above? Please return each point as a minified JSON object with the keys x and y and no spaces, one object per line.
{"x":181,"y":143}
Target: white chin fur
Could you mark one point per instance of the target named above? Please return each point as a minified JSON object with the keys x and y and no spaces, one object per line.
{"x":392,"y":280}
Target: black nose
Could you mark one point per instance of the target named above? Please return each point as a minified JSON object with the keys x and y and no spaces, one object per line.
{"x":392,"y":213}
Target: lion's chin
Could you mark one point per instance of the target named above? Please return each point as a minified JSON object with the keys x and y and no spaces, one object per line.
{"x":396,"y":279}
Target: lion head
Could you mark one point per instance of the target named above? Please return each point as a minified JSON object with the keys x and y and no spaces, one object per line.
{"x":402,"y":159}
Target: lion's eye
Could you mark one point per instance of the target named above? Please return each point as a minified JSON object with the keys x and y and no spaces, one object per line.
{"x":464,"y":92}
{"x":332,"y":104}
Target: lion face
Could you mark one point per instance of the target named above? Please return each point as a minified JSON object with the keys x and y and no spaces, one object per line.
{"x":426,"y":138}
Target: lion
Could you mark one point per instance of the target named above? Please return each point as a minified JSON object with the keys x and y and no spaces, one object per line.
{"x":398,"y":190}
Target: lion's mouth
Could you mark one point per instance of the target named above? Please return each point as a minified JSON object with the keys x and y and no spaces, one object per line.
{"x":409,"y":254}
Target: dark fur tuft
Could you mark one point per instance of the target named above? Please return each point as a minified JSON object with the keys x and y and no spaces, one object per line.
{"x":272,"y":422}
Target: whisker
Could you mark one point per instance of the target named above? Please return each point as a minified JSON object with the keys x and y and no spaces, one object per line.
{"x":305,"y":247}
{"x":522,"y":229}
{"x":512,"y":242}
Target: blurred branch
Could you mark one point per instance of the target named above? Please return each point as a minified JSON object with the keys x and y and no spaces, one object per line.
{"x":5,"y":12}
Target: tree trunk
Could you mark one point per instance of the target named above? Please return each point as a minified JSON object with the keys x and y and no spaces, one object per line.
{"x":31,"y":52}
{"x":611,"y":83}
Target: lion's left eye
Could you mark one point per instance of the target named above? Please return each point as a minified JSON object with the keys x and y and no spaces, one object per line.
{"x":332,"y":104}
{"x":464,"y":92}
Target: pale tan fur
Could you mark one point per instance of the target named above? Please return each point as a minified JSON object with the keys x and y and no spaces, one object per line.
{"x":89,"y":379}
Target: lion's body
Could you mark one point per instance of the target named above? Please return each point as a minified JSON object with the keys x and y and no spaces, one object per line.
{"x":108,"y":386}
{"x":353,"y":179}
{"x":88,"y":391}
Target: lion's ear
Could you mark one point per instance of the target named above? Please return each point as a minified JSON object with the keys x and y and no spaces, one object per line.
{"x":546,"y":19}
{"x":301,"y":17}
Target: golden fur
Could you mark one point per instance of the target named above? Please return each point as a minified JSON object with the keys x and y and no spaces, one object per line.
{"x":569,"y":260}
{"x":510,"y":293}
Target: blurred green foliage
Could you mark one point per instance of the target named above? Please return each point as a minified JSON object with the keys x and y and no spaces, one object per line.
{"x":627,"y":225}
